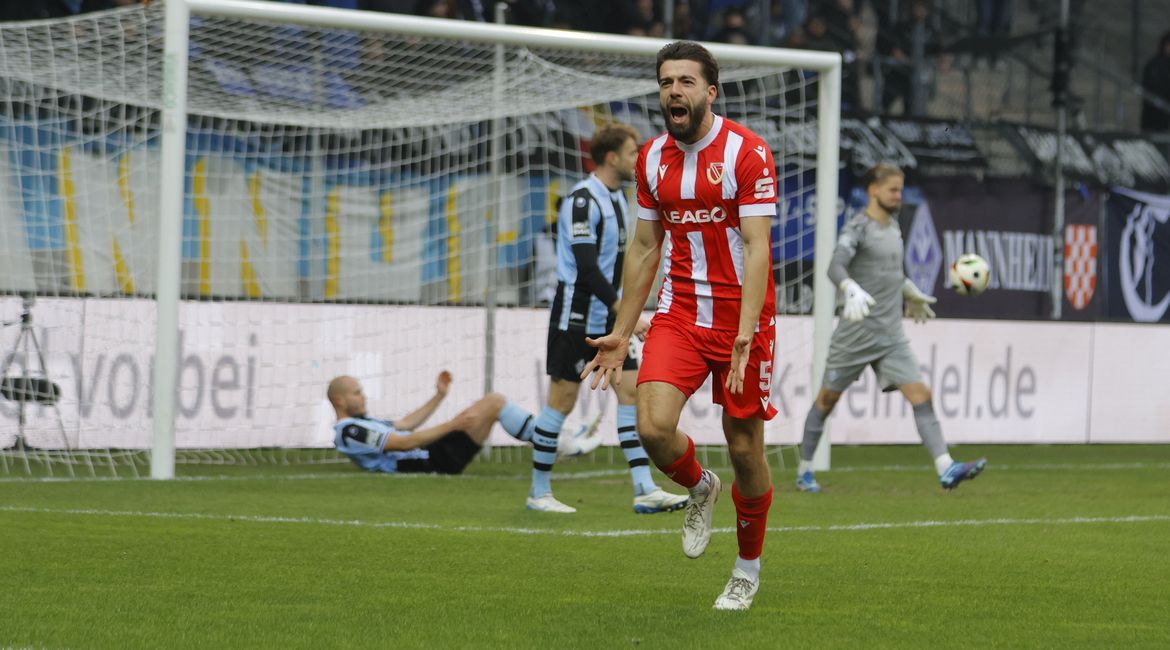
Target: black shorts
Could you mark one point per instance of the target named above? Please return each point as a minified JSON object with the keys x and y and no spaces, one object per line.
{"x":568,"y":353}
{"x":448,"y":455}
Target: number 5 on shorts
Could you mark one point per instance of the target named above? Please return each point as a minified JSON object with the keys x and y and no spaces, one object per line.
{"x":765,"y":376}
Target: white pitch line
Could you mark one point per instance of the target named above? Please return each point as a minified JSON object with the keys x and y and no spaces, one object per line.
{"x":359,"y":523}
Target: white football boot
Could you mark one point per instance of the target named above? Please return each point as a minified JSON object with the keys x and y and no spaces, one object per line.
{"x":697,"y":525}
{"x":548,"y":503}
{"x":659,"y":501}
{"x":739,"y":592}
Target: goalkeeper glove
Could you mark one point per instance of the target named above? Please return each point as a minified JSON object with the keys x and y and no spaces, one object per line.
{"x":917,"y":303}
{"x":857,"y":301}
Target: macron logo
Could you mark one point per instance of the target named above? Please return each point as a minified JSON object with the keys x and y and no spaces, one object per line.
{"x":662,"y":171}
{"x":743,"y":524}
{"x":763,"y":154}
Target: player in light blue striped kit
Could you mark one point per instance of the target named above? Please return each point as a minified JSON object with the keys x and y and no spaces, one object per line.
{"x":399,"y":446}
{"x":591,"y":243}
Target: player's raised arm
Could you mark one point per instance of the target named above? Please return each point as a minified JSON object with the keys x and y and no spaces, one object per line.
{"x":414,"y":419}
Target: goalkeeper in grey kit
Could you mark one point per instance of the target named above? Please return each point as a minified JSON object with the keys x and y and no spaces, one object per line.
{"x":867,"y":267}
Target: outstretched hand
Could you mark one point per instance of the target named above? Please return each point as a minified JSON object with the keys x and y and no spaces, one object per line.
{"x":443,"y":383}
{"x":606,"y":365}
{"x":919,"y":311}
{"x":917,"y":303}
{"x":739,"y":358}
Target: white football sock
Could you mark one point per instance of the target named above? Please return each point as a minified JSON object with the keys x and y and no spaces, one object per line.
{"x":702,"y":487}
{"x":805,"y":466}
{"x":942,"y":463}
{"x":750,"y":567}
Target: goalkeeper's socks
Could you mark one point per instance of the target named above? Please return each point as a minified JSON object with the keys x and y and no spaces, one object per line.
{"x":636,"y":458}
{"x":544,"y":449}
{"x":943,"y":463}
{"x":516,"y":421}
{"x":814,"y":428}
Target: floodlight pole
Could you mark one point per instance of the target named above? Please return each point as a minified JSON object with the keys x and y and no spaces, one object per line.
{"x":170,"y":216}
{"x":1060,"y":74}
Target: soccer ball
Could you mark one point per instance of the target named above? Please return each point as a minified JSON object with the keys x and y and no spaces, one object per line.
{"x":578,"y":437}
{"x":969,"y":275}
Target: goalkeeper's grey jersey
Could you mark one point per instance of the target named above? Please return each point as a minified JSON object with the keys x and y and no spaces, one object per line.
{"x":871,"y":254}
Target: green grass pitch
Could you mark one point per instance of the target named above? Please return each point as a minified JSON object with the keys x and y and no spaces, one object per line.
{"x":1051,"y":547}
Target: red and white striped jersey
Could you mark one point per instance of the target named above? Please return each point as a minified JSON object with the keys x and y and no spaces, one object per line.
{"x":700,"y":192}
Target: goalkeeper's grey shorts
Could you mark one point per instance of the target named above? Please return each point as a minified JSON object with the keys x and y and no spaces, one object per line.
{"x":894,"y":365}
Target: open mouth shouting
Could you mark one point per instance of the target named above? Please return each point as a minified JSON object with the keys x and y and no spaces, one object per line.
{"x":683,"y":121}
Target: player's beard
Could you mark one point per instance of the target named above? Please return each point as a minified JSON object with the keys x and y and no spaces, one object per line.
{"x":687,"y":132}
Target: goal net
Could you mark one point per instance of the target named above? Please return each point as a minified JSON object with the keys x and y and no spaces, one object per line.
{"x":362,"y":194}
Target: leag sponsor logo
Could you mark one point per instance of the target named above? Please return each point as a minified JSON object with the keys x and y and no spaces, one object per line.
{"x":702,"y":215}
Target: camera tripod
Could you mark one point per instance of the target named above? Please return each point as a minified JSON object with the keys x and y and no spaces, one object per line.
{"x":27,"y":387}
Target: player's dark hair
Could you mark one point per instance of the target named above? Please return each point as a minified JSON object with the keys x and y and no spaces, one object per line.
{"x":609,"y":138}
{"x":879,"y":173}
{"x":690,"y":51}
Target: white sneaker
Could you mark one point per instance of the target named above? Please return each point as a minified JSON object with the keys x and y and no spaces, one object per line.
{"x":659,"y":501}
{"x":548,"y":503}
{"x":580,"y":442}
{"x":697,"y":525}
{"x":739,"y":592}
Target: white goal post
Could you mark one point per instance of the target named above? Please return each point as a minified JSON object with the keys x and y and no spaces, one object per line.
{"x":179,"y":14}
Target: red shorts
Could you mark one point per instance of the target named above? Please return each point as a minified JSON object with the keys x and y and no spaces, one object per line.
{"x":683,"y":356}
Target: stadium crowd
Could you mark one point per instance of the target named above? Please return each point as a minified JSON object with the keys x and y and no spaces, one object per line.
{"x":902,"y":45}
{"x":876,"y":37}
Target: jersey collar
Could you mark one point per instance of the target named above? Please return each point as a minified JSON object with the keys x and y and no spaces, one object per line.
{"x":598,"y":182}
{"x":716,"y":127}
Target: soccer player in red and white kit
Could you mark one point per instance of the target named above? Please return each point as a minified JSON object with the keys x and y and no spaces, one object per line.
{"x":707,"y":190}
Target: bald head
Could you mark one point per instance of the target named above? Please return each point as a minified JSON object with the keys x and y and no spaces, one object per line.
{"x":345,"y":394}
{"x":338,"y":386}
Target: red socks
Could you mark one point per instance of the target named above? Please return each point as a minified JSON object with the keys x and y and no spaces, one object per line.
{"x":685,"y":470}
{"x":751,"y":517}
{"x":751,"y":514}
